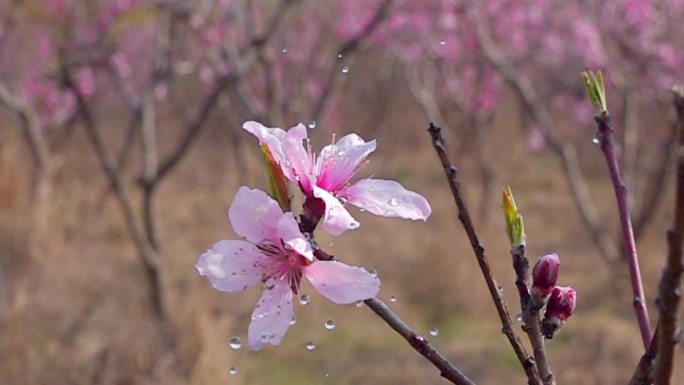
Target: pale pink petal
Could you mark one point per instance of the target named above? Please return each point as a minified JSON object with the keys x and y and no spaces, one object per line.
{"x":342,"y":283}
{"x":336,"y":219}
{"x":387,"y":198}
{"x":271,"y":137}
{"x":255,"y":216}
{"x":231,"y":265}
{"x":299,"y":163}
{"x":288,"y":231}
{"x":340,"y":161}
{"x":272,"y":315}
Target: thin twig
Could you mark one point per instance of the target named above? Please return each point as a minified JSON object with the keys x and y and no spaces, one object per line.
{"x":671,"y":280}
{"x":606,"y":137}
{"x":419,"y":343}
{"x":452,"y":177}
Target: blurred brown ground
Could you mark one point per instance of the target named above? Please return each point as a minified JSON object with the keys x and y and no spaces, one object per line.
{"x":74,"y":309}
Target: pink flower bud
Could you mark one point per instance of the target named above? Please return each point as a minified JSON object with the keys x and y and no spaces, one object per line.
{"x":561,"y":303}
{"x":560,"y":307}
{"x":545,"y":274}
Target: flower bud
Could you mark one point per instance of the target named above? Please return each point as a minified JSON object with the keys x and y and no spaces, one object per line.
{"x":514,"y":222}
{"x":560,"y":307}
{"x":544,"y":275}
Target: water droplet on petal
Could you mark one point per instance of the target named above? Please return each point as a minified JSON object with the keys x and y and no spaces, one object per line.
{"x":284,"y":50}
{"x":359,"y":303}
{"x":312,"y":125}
{"x":394,"y":202}
{"x":434,"y":332}
{"x":372,"y":272}
{"x":345,"y":69}
{"x":596,"y":141}
{"x":310,"y":346}
{"x":235,"y":343}
{"x":232,"y":371}
{"x":393,"y":299}
{"x":330,"y":324}
{"x":442,"y":42}
{"x":304,"y":299}
{"x":265,"y":338}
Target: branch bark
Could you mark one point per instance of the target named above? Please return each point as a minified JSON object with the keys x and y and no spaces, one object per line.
{"x":494,"y":289}
{"x":671,"y":280}
{"x":419,"y":343}
{"x":606,"y":137}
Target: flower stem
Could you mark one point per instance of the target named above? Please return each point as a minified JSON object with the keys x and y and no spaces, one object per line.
{"x":419,"y":343}
{"x":606,"y":136}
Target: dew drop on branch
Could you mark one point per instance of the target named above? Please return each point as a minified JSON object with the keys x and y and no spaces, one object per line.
{"x":312,"y":124}
{"x":284,"y":50}
{"x":339,"y":56}
{"x":310,"y":346}
{"x":330,"y":325}
{"x":293,"y":320}
{"x":304,"y":299}
{"x":596,"y":141}
{"x":359,"y":303}
{"x":434,"y":332}
{"x":232,"y":371}
{"x":345,"y":69}
{"x":235,"y":343}
{"x":393,"y":299}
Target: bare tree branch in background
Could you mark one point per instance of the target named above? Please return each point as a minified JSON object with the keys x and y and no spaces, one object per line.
{"x":347,"y":48}
{"x":37,"y":143}
{"x":567,"y":154}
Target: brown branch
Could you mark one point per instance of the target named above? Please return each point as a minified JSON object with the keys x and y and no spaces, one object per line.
{"x":671,"y":280}
{"x":419,"y":343}
{"x":643,"y":373}
{"x":452,"y":177}
{"x":532,"y":327}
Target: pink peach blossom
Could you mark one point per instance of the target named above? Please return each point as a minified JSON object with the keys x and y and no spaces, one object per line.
{"x":276,"y":254}
{"x":328,"y":177}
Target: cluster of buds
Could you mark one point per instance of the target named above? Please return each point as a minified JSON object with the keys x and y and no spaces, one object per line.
{"x":559,"y":301}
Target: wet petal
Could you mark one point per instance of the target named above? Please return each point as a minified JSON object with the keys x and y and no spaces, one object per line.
{"x":299,"y":163}
{"x":272,"y":137}
{"x":231,"y":265}
{"x":340,"y":161}
{"x":255,"y":216}
{"x":272,"y":315}
{"x":288,"y":231}
{"x":387,"y":198}
{"x":342,"y":283}
{"x":336,"y":219}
